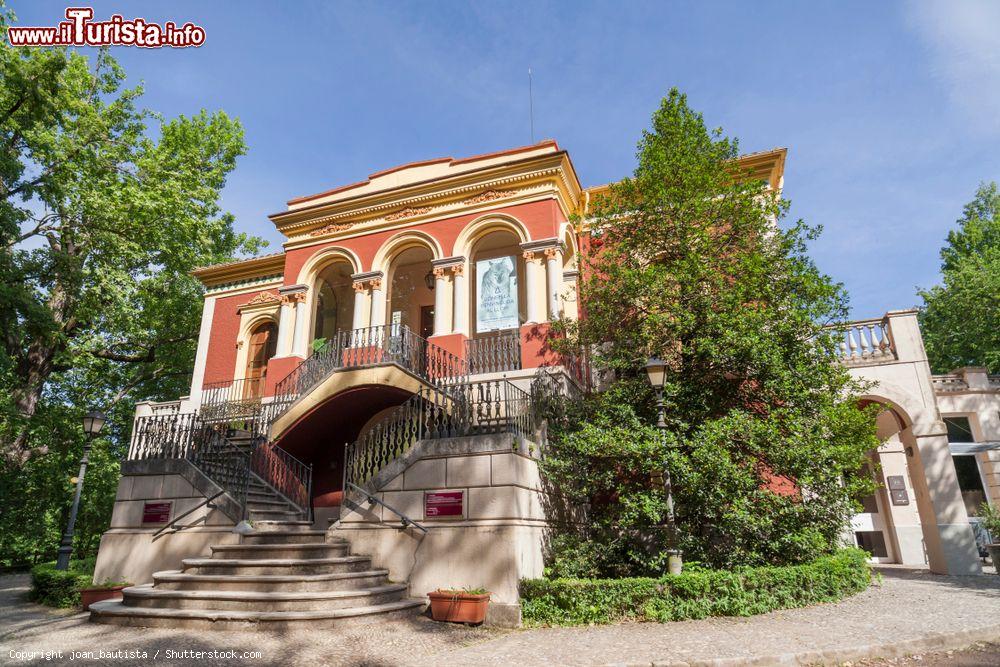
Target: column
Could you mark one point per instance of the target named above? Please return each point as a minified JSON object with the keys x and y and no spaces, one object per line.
{"x":442,"y":307}
{"x":951,"y":546}
{"x":553,"y":272}
{"x":460,"y":310}
{"x":360,"y":305}
{"x":300,"y":346}
{"x":286,"y":324}
{"x":532,"y":285}
{"x":378,"y":303}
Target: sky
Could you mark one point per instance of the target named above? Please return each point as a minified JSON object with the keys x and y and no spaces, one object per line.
{"x":890,"y":111}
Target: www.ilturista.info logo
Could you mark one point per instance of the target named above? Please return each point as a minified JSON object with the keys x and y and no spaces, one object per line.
{"x":79,"y":30}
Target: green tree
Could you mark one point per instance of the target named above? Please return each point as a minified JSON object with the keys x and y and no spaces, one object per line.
{"x":100,"y":224}
{"x":688,"y":262}
{"x":961,"y":317}
{"x":105,"y":207}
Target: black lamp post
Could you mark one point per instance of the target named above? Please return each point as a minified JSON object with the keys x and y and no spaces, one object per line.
{"x":656,"y":370}
{"x":93,"y":422}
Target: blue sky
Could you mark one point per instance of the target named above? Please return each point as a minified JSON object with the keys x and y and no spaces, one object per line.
{"x":890,"y":112}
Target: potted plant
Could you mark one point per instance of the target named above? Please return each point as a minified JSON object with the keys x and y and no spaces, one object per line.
{"x":109,"y":590}
{"x":467,"y":605}
{"x":989,"y":518}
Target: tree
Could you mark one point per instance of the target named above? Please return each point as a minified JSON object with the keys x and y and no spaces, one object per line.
{"x":961,"y":318}
{"x":687,"y":262}
{"x":100,"y":224}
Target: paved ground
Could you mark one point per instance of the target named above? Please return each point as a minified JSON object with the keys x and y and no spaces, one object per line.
{"x":906,"y":614}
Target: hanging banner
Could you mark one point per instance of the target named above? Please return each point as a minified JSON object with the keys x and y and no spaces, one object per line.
{"x":496,"y":307}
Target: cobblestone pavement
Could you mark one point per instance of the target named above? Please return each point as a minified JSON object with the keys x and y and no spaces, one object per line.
{"x":981,"y":654}
{"x":895,"y":618}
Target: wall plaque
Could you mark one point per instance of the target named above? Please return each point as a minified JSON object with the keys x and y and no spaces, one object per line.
{"x":156,"y":512}
{"x":443,"y":503}
{"x":896,"y":482}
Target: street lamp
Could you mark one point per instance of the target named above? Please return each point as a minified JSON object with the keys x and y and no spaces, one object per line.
{"x":656,"y":371}
{"x":93,"y":422}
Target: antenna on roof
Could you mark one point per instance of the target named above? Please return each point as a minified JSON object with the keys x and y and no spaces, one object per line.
{"x":531,"y":108}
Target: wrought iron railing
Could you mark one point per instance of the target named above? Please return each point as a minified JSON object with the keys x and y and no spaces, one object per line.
{"x":494,"y":406}
{"x":494,"y":354}
{"x":205,"y":445}
{"x":373,"y":346}
{"x":284,"y":473}
{"x":231,"y":399}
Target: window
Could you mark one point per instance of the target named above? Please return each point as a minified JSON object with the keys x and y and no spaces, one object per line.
{"x":872,"y":541}
{"x":970,"y":482}
{"x":959,"y":429}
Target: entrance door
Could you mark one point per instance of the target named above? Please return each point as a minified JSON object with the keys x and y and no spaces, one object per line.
{"x":871,"y":525}
{"x":426,"y":321}
{"x":263,"y":346}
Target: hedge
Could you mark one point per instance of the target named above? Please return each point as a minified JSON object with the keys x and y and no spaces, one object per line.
{"x":697,"y":594}
{"x":61,"y":588}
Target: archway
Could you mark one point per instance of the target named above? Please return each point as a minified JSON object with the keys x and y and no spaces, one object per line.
{"x":411,"y":290}
{"x":333,"y":303}
{"x":497,"y":302}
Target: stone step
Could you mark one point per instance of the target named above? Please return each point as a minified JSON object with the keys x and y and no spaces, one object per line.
{"x":116,"y":613}
{"x":253,"y":566}
{"x":285,"y":536}
{"x":286,"y":550}
{"x":176,"y":580}
{"x":147,"y":596}
{"x":270,"y":525}
{"x":285,"y":514}
{"x":269,"y":503}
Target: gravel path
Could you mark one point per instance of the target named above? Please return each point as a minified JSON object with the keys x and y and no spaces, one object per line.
{"x":905,"y":609}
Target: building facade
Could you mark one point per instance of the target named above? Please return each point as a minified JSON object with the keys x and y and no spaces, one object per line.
{"x":365,"y":397}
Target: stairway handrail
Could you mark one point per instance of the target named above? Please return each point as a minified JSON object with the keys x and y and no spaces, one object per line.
{"x":372,"y":499}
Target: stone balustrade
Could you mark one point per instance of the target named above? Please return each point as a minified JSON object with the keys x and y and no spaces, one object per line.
{"x":865,"y":342}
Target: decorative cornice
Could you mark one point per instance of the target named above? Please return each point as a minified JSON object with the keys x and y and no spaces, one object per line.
{"x":543,"y":244}
{"x":447,"y":262}
{"x":365,"y":276}
{"x":408,"y":212}
{"x":242,"y":284}
{"x":293,"y":289}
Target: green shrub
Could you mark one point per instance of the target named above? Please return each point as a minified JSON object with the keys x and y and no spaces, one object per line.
{"x":61,"y":588}
{"x":698,"y":594}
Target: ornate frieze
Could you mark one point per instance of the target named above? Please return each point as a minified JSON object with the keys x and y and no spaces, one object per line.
{"x":488,"y":195}
{"x":262,"y":301}
{"x":330,"y":229}
{"x":408,"y":212}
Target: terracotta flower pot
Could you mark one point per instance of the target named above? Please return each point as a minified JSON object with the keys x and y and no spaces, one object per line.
{"x":89,"y":596}
{"x":459,"y":606}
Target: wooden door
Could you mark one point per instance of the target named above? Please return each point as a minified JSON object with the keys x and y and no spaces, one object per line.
{"x":426,"y":321}
{"x":263,"y":346}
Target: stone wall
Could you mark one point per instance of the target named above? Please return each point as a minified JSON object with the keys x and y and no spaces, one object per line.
{"x":496,"y":541}
{"x":131,"y":551}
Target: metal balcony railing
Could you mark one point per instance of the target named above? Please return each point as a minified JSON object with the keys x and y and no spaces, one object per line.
{"x":494,"y":354}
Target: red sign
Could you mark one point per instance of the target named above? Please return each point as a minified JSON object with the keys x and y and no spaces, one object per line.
{"x":443,"y":503}
{"x":156,"y":512}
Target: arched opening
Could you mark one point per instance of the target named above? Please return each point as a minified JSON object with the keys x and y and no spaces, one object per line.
{"x":263,"y":345}
{"x":411,"y":290}
{"x":333,"y":305}
{"x":497,"y":302}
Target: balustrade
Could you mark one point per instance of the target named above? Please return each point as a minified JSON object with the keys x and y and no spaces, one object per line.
{"x":494,"y":354}
{"x":864,"y":341}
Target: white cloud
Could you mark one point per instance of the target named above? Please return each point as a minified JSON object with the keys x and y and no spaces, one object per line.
{"x":962,"y":38}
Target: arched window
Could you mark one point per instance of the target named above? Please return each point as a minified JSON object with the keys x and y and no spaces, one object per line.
{"x":334,"y":301}
{"x":263,"y":346}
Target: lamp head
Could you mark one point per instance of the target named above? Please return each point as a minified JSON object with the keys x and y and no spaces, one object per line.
{"x":656,"y":370}
{"x":93,"y":422}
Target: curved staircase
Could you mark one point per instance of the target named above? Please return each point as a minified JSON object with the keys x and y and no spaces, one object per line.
{"x":283,"y":577}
